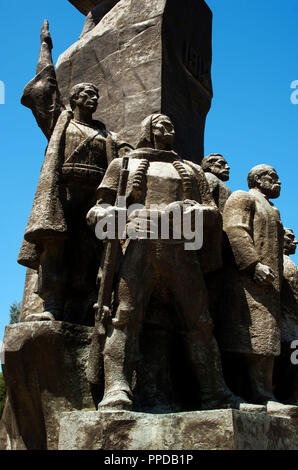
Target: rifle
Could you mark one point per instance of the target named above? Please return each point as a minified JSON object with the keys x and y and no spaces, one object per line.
{"x":103,"y":315}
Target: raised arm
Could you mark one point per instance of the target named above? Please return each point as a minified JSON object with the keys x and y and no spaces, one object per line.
{"x":41,"y":95}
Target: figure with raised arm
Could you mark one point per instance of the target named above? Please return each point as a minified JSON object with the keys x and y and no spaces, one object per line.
{"x":57,"y":241}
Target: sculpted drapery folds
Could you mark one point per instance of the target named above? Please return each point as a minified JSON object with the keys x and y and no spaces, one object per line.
{"x":157,"y":175}
{"x":286,"y":373}
{"x":289,"y":293}
{"x":251,"y":319}
{"x":217,"y":172}
{"x":57,"y":241}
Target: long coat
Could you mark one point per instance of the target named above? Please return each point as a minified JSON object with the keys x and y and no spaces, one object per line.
{"x":250,"y":322}
{"x":47,"y":218}
{"x":289,"y":302}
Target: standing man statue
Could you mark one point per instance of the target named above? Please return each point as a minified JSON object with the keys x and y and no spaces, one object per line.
{"x":251,"y":321}
{"x":57,"y":241}
{"x":159,"y":177}
{"x":286,"y":371}
{"x":217,"y":172}
{"x":289,"y":299}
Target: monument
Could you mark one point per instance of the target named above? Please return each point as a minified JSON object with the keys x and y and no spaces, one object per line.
{"x":116,"y":348}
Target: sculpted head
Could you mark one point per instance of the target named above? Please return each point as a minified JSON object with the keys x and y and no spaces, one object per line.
{"x":265,"y":179}
{"x":84,"y":96}
{"x":216,"y":164}
{"x":290,"y":242}
{"x":157,"y":132}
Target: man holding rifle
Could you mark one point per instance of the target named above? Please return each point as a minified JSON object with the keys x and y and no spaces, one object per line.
{"x":157,"y":177}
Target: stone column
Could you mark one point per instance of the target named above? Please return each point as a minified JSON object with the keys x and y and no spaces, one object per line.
{"x":148,"y":56}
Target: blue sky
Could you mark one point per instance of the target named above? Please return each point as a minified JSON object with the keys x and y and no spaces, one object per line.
{"x":252,"y":121}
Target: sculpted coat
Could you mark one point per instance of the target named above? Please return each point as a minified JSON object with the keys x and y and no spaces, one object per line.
{"x":289,"y":299}
{"x":219,"y":190}
{"x":57,"y":241}
{"x":158,"y":177}
{"x":251,"y":319}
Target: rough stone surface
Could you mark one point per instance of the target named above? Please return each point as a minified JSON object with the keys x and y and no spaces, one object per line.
{"x":286,"y":373}
{"x":32,"y":303}
{"x":44,"y":373}
{"x":148,"y":56}
{"x":153,"y":348}
{"x":84,"y":6}
{"x":250,"y":323}
{"x":203,"y":430}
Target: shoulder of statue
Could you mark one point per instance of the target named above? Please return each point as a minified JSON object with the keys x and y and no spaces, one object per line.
{"x":240,"y":199}
{"x":197,"y":169}
{"x":213,"y":180}
{"x":141,"y":153}
{"x":101,"y":126}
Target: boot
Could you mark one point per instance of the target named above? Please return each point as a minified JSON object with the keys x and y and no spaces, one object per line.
{"x":260,"y":370}
{"x":206,"y":362}
{"x":117,"y":393}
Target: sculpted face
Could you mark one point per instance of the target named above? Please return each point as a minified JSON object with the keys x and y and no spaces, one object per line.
{"x":163,"y":132}
{"x":290,"y":242}
{"x":268,"y":183}
{"x":87,"y":99}
{"x":220,"y":168}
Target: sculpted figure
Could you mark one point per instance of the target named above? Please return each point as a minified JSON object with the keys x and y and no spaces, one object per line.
{"x":251,"y":320}
{"x":286,"y":372}
{"x":289,"y":299}
{"x":159,"y":177}
{"x":217,"y":172}
{"x":57,"y":240}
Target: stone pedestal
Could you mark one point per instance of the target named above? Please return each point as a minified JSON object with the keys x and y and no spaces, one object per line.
{"x":148,"y":56}
{"x":44,"y":372}
{"x":201,"y":430}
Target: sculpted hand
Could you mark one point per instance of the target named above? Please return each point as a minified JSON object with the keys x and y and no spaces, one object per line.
{"x":45,"y":35}
{"x":95,"y":214}
{"x":263,"y":274}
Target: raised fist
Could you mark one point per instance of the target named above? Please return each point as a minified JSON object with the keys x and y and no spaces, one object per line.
{"x":45,"y":35}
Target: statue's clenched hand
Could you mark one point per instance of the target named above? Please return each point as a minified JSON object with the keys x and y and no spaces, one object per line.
{"x":263,"y":274}
{"x":95,"y":214}
{"x":45,"y":35}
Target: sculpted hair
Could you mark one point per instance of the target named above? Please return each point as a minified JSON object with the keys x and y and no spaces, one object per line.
{"x":76,"y":90}
{"x":258,"y":170}
{"x":286,"y":230}
{"x":146,"y":138}
{"x":206,"y":163}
